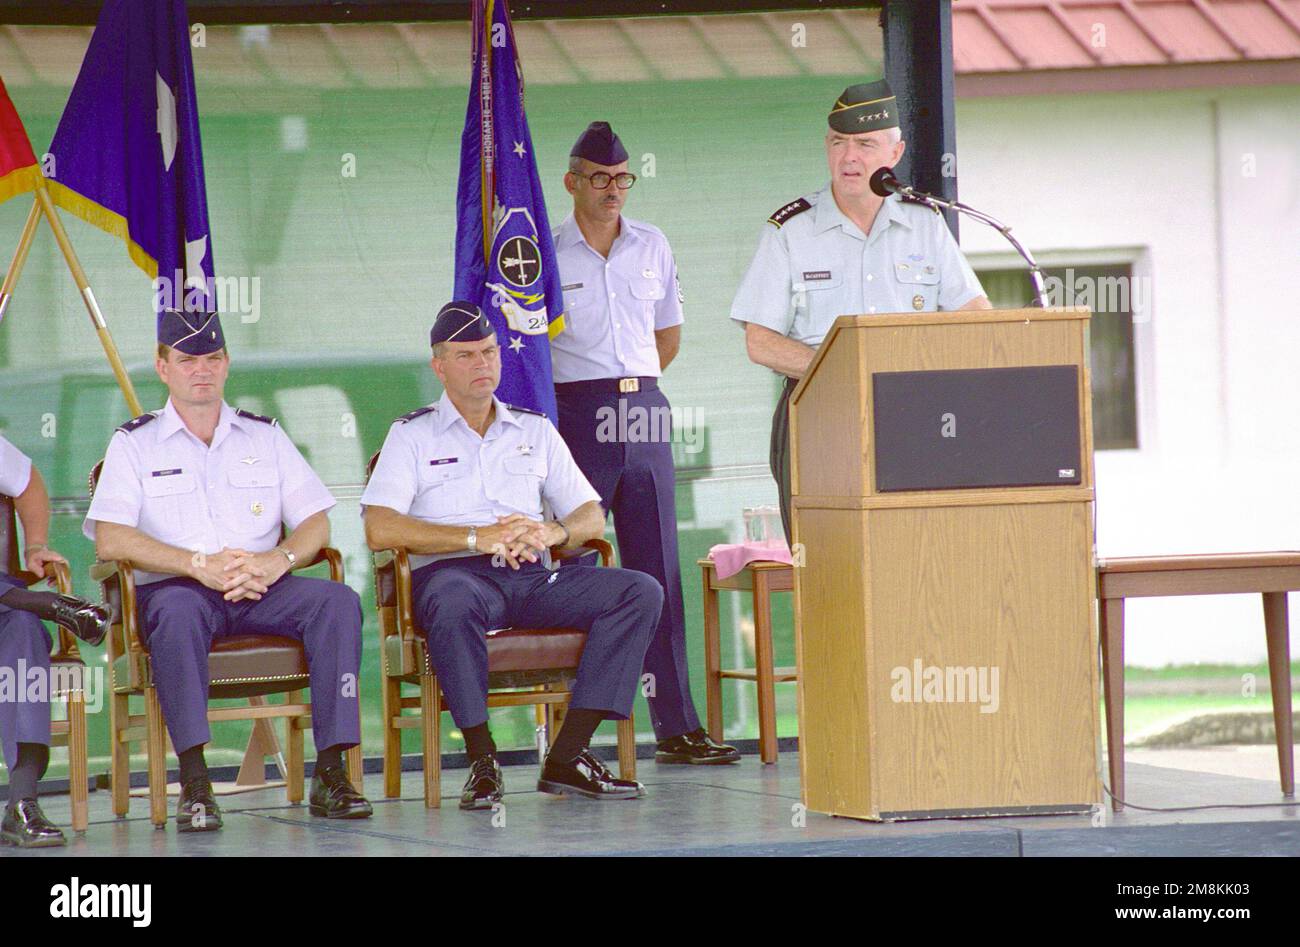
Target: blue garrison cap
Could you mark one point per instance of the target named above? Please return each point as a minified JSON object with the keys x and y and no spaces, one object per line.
{"x":194,"y":333}
{"x":459,"y":321}
{"x":599,"y":145}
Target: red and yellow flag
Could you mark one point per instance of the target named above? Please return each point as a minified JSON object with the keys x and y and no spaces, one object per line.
{"x":18,"y":169}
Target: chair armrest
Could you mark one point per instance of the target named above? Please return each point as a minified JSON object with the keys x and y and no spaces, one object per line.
{"x":65,"y":645}
{"x":117,"y":579}
{"x":103,"y":571}
{"x":397,"y":563}
{"x":598,"y":546}
{"x":327,"y":554}
{"x":62,"y":577}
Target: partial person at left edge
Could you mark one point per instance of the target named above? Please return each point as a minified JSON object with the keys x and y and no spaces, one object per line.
{"x":196,"y":496}
{"x":25,"y":723}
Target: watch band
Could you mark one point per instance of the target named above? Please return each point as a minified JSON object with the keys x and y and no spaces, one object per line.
{"x":565,"y":541}
{"x":288,"y":554}
{"x":471,"y":541}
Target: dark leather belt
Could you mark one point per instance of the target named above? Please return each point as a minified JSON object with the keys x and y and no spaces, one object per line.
{"x":608,"y":386}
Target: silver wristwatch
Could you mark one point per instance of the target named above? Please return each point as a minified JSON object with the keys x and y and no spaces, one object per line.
{"x":471,"y":541}
{"x":288,"y":554}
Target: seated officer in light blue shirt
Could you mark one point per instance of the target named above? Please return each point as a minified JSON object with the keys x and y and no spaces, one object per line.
{"x":25,"y":653}
{"x":464,"y":486}
{"x":841,"y":251}
{"x":622,"y":326}
{"x":194,"y":497}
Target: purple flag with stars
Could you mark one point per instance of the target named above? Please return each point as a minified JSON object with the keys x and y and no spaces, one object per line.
{"x":127,"y":155}
{"x":505,"y":259}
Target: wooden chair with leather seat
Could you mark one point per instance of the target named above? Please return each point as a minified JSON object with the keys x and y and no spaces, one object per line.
{"x":240,"y":666}
{"x":526,"y":666}
{"x":66,"y":666}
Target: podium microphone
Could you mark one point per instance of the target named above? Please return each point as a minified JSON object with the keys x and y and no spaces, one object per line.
{"x":883,"y":183}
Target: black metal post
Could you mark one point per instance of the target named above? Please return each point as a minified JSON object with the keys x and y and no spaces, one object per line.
{"x":918,"y":66}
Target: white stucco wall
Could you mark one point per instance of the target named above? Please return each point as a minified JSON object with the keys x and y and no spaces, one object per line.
{"x":1201,"y":189}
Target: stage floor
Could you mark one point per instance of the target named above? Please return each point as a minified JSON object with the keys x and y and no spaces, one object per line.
{"x":742,"y":809}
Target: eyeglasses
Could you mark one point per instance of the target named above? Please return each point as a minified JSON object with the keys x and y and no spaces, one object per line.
{"x":600,"y":180}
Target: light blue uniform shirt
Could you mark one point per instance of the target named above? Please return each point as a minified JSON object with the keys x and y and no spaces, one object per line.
{"x":814,"y":265}
{"x":161,"y":479}
{"x":15,"y":469}
{"x":613,"y":306}
{"x":436,"y":468}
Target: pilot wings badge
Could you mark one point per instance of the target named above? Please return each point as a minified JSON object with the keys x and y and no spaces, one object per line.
{"x":518,"y":289}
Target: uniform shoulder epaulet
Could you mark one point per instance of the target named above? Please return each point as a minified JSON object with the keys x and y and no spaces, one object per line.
{"x":254,"y":417}
{"x":515,"y":407}
{"x":412,"y":415}
{"x":793,"y":209}
{"x":137,"y":423}
{"x":643,"y":226}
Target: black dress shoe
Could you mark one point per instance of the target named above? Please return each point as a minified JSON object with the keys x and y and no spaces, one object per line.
{"x":87,"y":621}
{"x":25,"y":825}
{"x":696,"y":747}
{"x":334,"y":797}
{"x":197,"y":810}
{"x":485,"y":785}
{"x":586,"y":776}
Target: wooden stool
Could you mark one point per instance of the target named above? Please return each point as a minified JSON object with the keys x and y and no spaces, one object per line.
{"x":1271,"y":574}
{"x":762,"y":579}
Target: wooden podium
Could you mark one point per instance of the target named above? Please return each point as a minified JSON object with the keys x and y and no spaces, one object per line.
{"x":945,"y":637}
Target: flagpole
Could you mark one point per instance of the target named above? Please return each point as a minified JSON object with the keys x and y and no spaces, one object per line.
{"x":87,"y":296}
{"x":20,"y":257}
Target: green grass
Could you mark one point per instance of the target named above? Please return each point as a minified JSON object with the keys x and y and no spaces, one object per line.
{"x":1175,"y":672}
{"x":1146,"y":713}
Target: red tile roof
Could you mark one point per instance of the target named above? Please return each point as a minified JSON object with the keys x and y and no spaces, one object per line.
{"x":999,"y":36}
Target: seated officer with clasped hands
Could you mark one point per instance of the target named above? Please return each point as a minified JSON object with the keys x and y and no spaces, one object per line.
{"x":194,"y":496}
{"x":460,"y":485}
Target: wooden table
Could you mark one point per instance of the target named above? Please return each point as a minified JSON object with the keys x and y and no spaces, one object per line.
{"x":1270,"y":574}
{"x":761,"y":578}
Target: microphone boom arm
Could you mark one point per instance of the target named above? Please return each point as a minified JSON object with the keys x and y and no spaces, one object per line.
{"x":935,"y":203}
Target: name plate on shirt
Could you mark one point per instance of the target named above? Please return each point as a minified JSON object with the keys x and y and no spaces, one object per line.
{"x":985,"y":427}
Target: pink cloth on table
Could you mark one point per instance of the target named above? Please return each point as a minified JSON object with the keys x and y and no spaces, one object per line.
{"x":730,"y":558}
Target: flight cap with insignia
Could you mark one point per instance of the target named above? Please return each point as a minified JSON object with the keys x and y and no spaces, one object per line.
{"x":459,"y":321}
{"x":194,"y":333}
{"x":599,"y":145}
{"x":866,"y":107}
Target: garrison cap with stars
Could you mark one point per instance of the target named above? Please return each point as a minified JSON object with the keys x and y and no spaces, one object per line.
{"x":194,"y":333}
{"x":599,"y":145}
{"x":459,"y":321}
{"x":867,"y":107}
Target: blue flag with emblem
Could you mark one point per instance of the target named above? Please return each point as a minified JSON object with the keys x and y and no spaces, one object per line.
{"x":127,"y":156}
{"x":505,"y":260}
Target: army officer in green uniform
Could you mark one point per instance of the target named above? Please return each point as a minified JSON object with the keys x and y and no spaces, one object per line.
{"x":844,"y":250}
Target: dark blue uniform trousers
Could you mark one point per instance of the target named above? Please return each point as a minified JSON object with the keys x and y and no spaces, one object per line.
{"x":180,"y":619}
{"x":23,"y":639}
{"x":457,"y":601}
{"x":637,"y":484}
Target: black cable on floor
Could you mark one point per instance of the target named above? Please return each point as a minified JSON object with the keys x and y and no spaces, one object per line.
{"x":1218,"y":805}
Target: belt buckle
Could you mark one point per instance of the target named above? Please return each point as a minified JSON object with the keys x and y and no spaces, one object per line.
{"x":626,"y":385}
